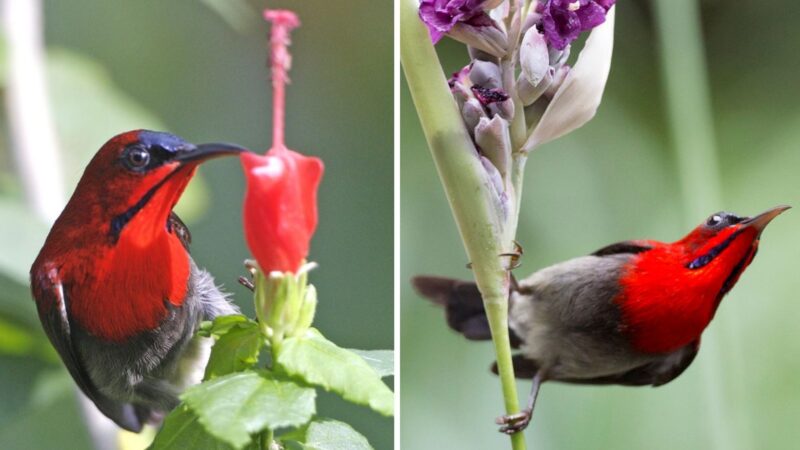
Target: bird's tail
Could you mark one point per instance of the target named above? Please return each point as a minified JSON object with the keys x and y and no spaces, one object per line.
{"x":462,"y":303}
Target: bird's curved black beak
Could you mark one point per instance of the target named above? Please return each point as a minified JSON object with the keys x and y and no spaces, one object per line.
{"x":203,"y":152}
{"x":760,"y":221}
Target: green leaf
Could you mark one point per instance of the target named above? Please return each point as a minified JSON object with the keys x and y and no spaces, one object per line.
{"x":321,"y":362}
{"x":223,"y":324}
{"x":382,"y":361}
{"x":233,"y":407}
{"x":16,"y":340}
{"x":21,"y":236}
{"x":16,"y":303}
{"x":237,"y":344}
{"x":329,"y":434}
{"x":182,"y":430}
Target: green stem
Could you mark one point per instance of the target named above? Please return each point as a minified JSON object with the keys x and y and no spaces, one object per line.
{"x":267,"y":436}
{"x":689,"y":108}
{"x":466,"y":185}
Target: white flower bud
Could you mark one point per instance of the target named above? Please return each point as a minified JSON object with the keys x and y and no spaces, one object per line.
{"x":534,"y":58}
{"x":472,"y":112}
{"x":486,"y":74}
{"x":494,"y":140}
{"x":559,"y":76}
{"x":528,"y":93}
{"x":578,"y":97}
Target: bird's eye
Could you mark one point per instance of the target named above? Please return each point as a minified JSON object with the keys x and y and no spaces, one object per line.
{"x":136,"y":158}
{"x":714,"y":220}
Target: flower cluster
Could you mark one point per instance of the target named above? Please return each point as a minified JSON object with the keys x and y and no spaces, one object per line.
{"x":553,"y":97}
{"x":563,"y":20}
{"x":466,"y":21}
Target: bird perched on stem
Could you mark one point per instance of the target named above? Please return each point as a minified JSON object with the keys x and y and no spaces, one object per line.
{"x":116,"y":290}
{"x":630,"y":313}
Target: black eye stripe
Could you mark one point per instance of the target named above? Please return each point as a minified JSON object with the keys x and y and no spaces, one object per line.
{"x":709,"y":256}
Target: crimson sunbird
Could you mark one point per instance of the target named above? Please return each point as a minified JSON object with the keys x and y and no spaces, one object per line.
{"x":630,"y":313}
{"x":116,"y":290}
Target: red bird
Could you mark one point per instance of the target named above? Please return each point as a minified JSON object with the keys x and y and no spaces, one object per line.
{"x":630,"y":313}
{"x":117,"y":292}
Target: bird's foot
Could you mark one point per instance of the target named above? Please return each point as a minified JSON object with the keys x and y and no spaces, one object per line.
{"x":247,"y":283}
{"x":514,"y":423}
{"x":252,"y":268}
{"x":514,"y":258}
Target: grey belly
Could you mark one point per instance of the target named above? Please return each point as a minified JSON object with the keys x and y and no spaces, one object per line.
{"x":568,"y":321}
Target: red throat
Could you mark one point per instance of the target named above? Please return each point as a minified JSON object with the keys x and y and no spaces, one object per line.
{"x":666,"y":305}
{"x":129,"y":286}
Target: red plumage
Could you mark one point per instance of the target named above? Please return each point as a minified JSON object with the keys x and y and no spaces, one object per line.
{"x":660,"y":318}
{"x":631,"y":313}
{"x":116,"y":290}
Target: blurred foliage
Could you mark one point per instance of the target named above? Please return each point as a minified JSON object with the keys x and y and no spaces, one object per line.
{"x":182,"y":67}
{"x":612,"y":180}
{"x":239,"y":401}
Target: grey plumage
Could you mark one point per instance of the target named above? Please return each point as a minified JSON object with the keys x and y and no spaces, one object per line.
{"x":565,"y":322}
{"x":139,"y":380}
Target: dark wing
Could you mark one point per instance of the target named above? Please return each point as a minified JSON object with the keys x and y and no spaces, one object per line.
{"x":631,"y":247}
{"x":176,"y":226}
{"x":656,"y":373}
{"x":52,"y":303}
{"x":463,"y":306}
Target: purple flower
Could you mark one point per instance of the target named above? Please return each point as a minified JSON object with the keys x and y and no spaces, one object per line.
{"x":440,"y":16}
{"x":564,"y":20}
{"x":487,"y":96}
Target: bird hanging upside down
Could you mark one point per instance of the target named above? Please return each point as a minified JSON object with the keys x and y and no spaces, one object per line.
{"x":630,"y":313}
{"x":117,"y":292}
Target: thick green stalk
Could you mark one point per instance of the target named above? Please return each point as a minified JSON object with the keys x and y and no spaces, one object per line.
{"x":689,"y":108}
{"x":466,"y":185}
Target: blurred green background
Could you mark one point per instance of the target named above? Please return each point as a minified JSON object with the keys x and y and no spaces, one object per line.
{"x":198,"y":69}
{"x":617,"y":179}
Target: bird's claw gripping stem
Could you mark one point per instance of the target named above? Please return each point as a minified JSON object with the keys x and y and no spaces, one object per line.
{"x":513,"y":257}
{"x":252,"y":268}
{"x":247,"y":283}
{"x":514,"y":423}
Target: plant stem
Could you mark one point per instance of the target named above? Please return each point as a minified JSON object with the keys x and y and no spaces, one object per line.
{"x":689,"y":108}
{"x":467,"y":187}
{"x":267,"y":436}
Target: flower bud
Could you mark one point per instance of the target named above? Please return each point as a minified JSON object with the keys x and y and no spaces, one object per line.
{"x":493,"y":138}
{"x":559,"y":57}
{"x":486,"y":74}
{"x":280,"y":207}
{"x":307,"y":310}
{"x":559,"y":75}
{"x":472,"y":112}
{"x":528,"y":93}
{"x":484,"y":35}
{"x":534,"y":57}
{"x":578,"y":97}
{"x":504,"y":109}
